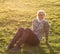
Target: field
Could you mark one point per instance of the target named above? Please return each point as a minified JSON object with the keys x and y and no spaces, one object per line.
{"x":20,"y":13}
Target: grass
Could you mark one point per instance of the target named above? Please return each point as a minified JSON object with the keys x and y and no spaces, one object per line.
{"x":20,"y":13}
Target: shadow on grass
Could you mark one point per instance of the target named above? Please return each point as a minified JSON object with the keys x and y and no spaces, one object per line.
{"x":29,"y":50}
{"x":33,"y":50}
{"x":12,"y":52}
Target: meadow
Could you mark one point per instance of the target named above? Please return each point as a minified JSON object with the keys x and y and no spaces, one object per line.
{"x":20,"y":13}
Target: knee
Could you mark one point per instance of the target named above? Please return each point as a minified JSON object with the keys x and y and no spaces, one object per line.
{"x":21,"y":29}
{"x":27,"y":30}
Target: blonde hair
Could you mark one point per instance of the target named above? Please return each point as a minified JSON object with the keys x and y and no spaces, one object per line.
{"x":41,"y":11}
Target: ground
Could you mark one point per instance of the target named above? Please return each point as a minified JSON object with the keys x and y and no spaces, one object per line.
{"x":20,"y":13}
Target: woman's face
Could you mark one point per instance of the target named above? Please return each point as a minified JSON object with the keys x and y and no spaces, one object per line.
{"x":41,"y":15}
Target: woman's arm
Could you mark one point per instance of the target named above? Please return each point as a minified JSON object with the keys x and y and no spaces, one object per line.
{"x":46,"y":30}
{"x":34,"y":26}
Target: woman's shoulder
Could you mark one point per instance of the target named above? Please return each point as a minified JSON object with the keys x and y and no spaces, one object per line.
{"x":46,"y":22}
{"x":34,"y":20}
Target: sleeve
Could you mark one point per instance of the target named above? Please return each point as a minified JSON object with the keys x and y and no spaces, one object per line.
{"x":34,"y":26}
{"x":46,"y":28}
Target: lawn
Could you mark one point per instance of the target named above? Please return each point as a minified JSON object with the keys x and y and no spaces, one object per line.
{"x":20,"y":13}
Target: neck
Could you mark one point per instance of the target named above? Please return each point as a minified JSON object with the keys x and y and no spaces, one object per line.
{"x":40,"y":20}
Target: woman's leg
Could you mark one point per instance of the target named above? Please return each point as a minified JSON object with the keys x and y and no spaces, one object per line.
{"x":16,"y":38}
{"x":26,"y":34}
{"x":23,"y":38}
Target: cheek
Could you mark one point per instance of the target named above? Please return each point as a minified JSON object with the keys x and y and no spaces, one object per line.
{"x":39,"y":16}
{"x":43,"y":16}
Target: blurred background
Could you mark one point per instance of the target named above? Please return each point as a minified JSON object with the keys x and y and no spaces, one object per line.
{"x":20,"y":13}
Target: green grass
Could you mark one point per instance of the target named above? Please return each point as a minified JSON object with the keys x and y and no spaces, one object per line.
{"x":20,"y":13}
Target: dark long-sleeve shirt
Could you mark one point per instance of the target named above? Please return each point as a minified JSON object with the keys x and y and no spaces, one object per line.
{"x":39,"y":28}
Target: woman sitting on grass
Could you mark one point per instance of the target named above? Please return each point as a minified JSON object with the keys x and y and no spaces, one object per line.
{"x":31,"y":37}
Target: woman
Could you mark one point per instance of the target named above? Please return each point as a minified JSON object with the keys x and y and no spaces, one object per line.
{"x":34,"y":36}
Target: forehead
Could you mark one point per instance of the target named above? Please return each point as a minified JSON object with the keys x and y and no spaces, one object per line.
{"x":41,"y":13}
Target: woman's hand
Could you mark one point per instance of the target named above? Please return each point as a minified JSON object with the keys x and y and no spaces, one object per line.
{"x":47,"y":42}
